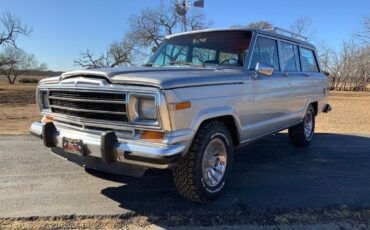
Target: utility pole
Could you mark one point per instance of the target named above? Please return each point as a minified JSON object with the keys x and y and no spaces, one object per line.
{"x":184,"y":29}
{"x":183,"y":7}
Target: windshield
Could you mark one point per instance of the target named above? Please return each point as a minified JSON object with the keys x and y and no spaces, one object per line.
{"x":209,"y":48}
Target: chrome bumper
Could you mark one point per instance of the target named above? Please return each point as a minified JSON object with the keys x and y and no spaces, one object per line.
{"x":135,"y":152}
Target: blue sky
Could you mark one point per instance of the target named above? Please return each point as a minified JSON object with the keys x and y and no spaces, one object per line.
{"x":63,"y":28}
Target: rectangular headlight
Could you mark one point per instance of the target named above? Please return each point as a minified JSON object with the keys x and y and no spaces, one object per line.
{"x":147,"y":109}
{"x":143,"y":109}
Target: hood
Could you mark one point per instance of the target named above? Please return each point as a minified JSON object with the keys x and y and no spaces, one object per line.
{"x":166,"y":77}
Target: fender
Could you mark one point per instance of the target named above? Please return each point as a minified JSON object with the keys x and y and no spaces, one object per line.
{"x":215,"y":112}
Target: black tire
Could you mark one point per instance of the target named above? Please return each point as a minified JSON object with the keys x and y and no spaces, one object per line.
{"x":188,"y":174}
{"x":297,"y":135}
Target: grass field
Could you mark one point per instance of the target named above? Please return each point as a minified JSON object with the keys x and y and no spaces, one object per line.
{"x":350,"y":114}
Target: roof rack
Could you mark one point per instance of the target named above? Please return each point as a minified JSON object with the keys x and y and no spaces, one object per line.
{"x":289,"y":33}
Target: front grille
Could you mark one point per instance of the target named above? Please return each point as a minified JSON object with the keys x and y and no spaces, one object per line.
{"x":99,"y":105}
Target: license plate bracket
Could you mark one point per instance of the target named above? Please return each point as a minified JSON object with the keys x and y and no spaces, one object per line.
{"x":73,"y":145}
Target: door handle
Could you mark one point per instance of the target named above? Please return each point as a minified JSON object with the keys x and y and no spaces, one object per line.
{"x":307,"y":74}
{"x":285,"y":74}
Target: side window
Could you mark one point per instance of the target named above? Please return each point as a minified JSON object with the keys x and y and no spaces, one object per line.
{"x":289,"y":58}
{"x":269,"y":52}
{"x":256,"y":57}
{"x":308,"y":60}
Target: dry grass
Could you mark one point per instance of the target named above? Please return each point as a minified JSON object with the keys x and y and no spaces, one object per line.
{"x":350,"y":114}
{"x":135,"y":222}
{"x":351,"y":111}
{"x":17,"y":108}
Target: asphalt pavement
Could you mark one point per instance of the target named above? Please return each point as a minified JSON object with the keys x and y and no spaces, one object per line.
{"x":334,"y":171}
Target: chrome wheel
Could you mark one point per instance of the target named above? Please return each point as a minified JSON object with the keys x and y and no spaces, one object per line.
{"x":214,"y":162}
{"x":308,"y":125}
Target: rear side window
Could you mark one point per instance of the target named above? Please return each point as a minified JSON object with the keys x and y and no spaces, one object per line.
{"x":289,"y":55}
{"x":308,"y":61}
{"x":265,"y":51}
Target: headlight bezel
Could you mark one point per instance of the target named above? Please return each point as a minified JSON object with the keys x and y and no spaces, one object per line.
{"x":135,"y":111}
{"x":42,"y":97}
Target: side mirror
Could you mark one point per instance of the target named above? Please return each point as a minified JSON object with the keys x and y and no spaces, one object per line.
{"x":264,"y":69}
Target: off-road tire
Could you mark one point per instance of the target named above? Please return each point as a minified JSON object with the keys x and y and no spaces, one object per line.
{"x":188,"y":175}
{"x":297,"y":134}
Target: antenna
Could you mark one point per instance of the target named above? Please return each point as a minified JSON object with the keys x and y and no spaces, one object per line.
{"x":289,"y":33}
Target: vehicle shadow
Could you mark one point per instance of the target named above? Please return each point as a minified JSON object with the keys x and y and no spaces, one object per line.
{"x":270,"y":174}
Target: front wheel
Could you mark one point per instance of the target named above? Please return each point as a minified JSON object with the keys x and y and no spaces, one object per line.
{"x":302,"y":134}
{"x":201,"y":174}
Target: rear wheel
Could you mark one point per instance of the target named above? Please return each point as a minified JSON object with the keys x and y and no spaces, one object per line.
{"x":201,"y":174}
{"x":302,"y":134}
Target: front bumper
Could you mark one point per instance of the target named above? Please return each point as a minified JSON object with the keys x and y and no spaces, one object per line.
{"x":135,"y":152}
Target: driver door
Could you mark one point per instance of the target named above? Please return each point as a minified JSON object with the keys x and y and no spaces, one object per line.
{"x":270,"y":92}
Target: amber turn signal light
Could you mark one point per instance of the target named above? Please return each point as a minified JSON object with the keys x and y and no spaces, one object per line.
{"x":179,"y":106}
{"x":153,"y":136}
{"x":47,"y":119}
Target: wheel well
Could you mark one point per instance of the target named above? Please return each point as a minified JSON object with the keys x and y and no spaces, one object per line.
{"x":315,"y":107}
{"x":230,"y":124}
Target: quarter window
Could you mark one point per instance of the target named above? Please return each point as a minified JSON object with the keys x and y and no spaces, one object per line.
{"x":308,"y":60}
{"x":289,"y":58}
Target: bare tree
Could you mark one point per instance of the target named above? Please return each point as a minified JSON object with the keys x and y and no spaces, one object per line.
{"x":264,"y":25}
{"x":18,"y":62}
{"x":364,"y":35}
{"x":118,"y":53}
{"x":151,"y":26}
{"x":146,"y":30}
{"x":10,"y":27}
{"x":303,"y":26}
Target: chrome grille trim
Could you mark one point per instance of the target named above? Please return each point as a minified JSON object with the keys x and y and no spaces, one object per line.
{"x":103,"y":105}
{"x":88,"y":110}
{"x":87,"y":100}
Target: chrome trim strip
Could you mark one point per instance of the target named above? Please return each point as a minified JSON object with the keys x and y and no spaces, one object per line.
{"x":152,"y":151}
{"x":87,"y":110}
{"x":126,"y":133}
{"x":267,"y":134}
{"x":87,"y":100}
{"x":81,"y":125}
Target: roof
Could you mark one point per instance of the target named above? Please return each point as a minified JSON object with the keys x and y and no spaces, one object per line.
{"x":258,"y":31}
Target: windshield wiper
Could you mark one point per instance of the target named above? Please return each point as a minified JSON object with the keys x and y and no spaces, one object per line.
{"x":185,"y":63}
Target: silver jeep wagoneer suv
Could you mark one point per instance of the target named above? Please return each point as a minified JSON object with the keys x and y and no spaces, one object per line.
{"x":200,"y":96}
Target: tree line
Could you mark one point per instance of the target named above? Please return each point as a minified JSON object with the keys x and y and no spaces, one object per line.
{"x":348,"y":68}
{"x":15,"y":61}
